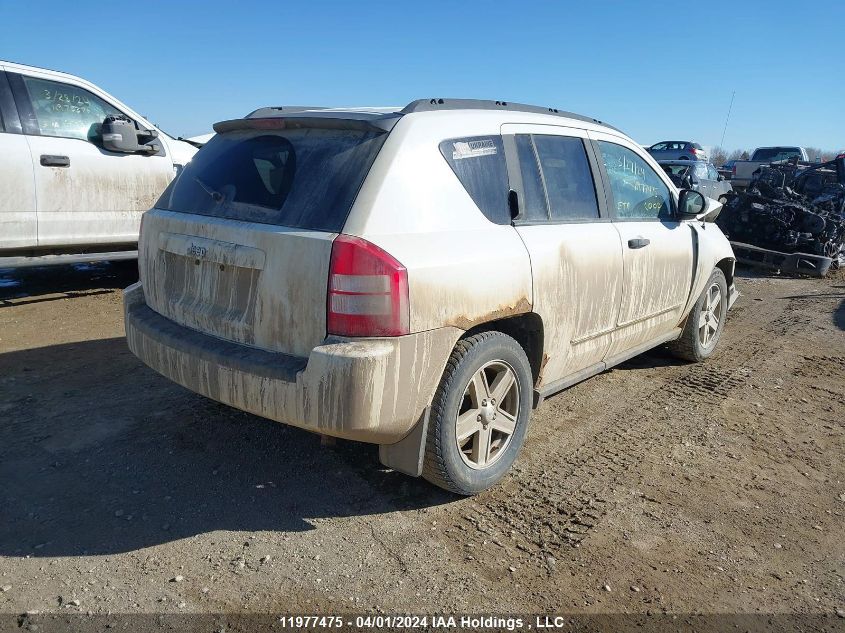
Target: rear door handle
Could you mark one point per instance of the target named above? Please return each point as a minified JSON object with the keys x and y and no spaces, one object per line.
{"x":638,"y":242}
{"x":49,"y":160}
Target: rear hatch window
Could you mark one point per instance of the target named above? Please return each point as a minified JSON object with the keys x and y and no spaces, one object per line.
{"x":303,"y":178}
{"x":776,"y":153}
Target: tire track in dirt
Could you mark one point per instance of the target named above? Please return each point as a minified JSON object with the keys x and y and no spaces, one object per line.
{"x":557,"y":499}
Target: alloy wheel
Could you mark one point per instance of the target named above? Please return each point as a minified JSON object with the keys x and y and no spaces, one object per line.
{"x":488,"y":414}
{"x":711,"y":315}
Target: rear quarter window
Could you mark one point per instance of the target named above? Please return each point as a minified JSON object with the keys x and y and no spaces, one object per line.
{"x":479,"y":163}
{"x":302,"y":178}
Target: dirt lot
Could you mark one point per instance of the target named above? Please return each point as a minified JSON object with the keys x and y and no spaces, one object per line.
{"x":656,"y":487}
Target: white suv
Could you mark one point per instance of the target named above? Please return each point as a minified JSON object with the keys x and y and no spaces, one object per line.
{"x":421,"y":278}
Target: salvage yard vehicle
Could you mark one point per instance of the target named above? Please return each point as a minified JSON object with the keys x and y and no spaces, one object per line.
{"x":791,"y":218}
{"x":420,"y":278}
{"x":698,"y":175}
{"x":727,"y":170}
{"x":678,"y":150}
{"x":77,"y":169}
{"x":742,"y":171}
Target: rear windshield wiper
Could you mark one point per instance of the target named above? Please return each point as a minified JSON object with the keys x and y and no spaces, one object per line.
{"x":189,"y":141}
{"x":215,"y":195}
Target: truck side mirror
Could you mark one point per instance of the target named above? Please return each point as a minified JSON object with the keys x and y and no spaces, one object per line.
{"x":691,"y":204}
{"x":119,"y":134}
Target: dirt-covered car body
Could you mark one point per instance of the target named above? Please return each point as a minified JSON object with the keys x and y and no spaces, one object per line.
{"x":318,"y":266}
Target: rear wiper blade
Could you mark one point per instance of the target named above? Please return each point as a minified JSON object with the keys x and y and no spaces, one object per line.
{"x":189,"y":141}
{"x":215,"y":195}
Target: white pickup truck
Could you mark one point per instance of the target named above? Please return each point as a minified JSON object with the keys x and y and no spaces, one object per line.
{"x":78,"y":168}
{"x":742,"y":171}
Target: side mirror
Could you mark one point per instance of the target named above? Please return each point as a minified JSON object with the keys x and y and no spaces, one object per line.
{"x":691,"y":204}
{"x":720,"y":177}
{"x":119,"y":134}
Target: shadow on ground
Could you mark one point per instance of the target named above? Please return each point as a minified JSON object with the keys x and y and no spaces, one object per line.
{"x":99,"y":455}
{"x":36,"y":285}
{"x":838,"y":316}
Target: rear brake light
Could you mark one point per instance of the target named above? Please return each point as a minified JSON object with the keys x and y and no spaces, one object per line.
{"x":368,"y":291}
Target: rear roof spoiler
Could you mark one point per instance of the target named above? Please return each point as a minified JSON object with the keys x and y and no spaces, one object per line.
{"x":321,"y":118}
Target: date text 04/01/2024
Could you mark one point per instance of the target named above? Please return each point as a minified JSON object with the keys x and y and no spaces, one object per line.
{"x":411,"y":622}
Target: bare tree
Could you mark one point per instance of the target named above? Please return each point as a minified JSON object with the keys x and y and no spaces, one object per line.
{"x":718,"y":156}
{"x":819,"y":155}
{"x":738,"y":154}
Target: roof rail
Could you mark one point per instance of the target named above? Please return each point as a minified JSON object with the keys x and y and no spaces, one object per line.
{"x":433,"y":105}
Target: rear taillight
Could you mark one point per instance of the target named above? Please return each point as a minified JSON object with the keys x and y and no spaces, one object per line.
{"x":368,"y":291}
{"x":733,"y":170}
{"x":695,"y":151}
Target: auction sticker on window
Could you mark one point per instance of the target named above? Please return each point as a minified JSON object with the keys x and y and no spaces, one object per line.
{"x":473,"y":149}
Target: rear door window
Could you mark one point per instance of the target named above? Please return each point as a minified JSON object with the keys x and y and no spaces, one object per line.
{"x":534,"y":207}
{"x":479,"y":163}
{"x":567,"y":176}
{"x":302,"y":178}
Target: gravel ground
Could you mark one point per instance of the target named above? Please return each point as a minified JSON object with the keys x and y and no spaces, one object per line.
{"x":656,"y":487}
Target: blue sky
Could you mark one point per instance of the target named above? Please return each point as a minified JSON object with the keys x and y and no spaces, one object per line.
{"x":657,"y":70}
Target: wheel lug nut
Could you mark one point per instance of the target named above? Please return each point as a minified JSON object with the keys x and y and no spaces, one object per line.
{"x":483,"y":403}
{"x":478,"y":417}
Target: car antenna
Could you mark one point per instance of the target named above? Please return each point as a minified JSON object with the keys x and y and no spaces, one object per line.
{"x":727,"y":118}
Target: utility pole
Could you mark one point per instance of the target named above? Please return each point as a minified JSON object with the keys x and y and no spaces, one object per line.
{"x":728,"y":118}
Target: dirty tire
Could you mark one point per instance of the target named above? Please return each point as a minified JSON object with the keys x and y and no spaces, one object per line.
{"x":690,"y":346}
{"x":445,"y":465}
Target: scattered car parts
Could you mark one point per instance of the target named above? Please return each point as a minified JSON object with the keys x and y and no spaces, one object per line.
{"x":791,"y":218}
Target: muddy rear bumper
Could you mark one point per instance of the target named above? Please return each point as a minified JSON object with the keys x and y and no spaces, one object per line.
{"x":371,"y":390}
